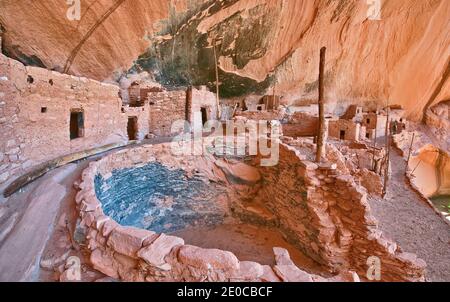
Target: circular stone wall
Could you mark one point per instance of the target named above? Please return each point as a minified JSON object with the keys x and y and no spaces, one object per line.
{"x":336,"y":230}
{"x":129,"y":201}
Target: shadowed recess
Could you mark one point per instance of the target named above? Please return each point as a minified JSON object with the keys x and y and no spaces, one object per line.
{"x":158,"y":199}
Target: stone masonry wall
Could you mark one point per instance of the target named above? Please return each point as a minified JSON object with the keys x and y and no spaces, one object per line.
{"x":202,"y":99}
{"x":165,"y":108}
{"x":133,"y":254}
{"x":301,"y":124}
{"x":35,"y":106}
{"x":323,"y":213}
{"x":260,"y":115}
{"x":327,"y":216}
{"x":352,"y":129}
{"x":142,"y":115}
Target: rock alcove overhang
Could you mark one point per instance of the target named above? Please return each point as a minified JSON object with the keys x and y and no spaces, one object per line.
{"x":187,"y":58}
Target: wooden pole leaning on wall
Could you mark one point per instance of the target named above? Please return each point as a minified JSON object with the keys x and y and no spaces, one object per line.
{"x":410,"y":151}
{"x":321,"y":141}
{"x":374,"y":151}
{"x":218,"y":112}
{"x":388,"y":151}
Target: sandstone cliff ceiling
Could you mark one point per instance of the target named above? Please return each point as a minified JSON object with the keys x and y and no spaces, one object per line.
{"x":403,"y":58}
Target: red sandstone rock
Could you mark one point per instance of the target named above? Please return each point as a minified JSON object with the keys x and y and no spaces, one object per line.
{"x":208,"y":259}
{"x":89,"y":205}
{"x":155,"y":253}
{"x":282,"y":256}
{"x":104,"y":263}
{"x":100,"y":221}
{"x":410,"y":257}
{"x":88,"y":219}
{"x":291,"y":273}
{"x":240,"y":171}
{"x":108,"y":227}
{"x":346,"y":277}
{"x":311,"y":217}
{"x":248,"y":271}
{"x":269,"y":275}
{"x":128,"y":240}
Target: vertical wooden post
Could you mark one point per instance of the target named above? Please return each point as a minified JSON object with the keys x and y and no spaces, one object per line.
{"x":321,"y":136}
{"x":217,"y":82}
{"x":388,"y":151}
{"x":273,"y":95}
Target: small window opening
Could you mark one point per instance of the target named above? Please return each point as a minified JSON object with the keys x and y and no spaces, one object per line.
{"x":204,"y":115}
{"x":30,"y":79}
{"x":50,"y":82}
{"x":43,"y":109}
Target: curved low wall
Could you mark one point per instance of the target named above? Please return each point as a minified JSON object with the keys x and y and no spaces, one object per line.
{"x":326,"y":215}
{"x":133,"y":254}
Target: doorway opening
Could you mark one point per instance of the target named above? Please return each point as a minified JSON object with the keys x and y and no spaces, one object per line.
{"x":76,"y":123}
{"x":342,"y":135}
{"x":204,"y":116}
{"x":132,"y":128}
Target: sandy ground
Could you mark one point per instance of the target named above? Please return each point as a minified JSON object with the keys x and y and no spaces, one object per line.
{"x":407,"y":219}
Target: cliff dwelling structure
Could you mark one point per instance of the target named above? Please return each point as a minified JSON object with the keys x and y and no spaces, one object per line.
{"x":225,"y":140}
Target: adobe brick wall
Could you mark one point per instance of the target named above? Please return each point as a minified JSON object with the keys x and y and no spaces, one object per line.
{"x":29,"y":137}
{"x":351,"y":128}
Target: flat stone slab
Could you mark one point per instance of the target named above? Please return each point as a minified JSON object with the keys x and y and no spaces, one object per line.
{"x":208,"y":259}
{"x":155,"y":253}
{"x":239,"y":172}
{"x":128,"y":240}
